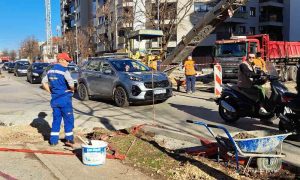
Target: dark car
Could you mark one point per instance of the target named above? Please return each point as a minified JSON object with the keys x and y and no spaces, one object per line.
{"x":11,"y":67}
{"x":5,"y":66}
{"x":21,"y":68}
{"x":35,"y":71}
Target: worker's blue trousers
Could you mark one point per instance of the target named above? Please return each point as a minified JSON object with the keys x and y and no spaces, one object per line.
{"x":62,"y":109}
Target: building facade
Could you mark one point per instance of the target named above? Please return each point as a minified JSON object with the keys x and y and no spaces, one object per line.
{"x":113,"y":19}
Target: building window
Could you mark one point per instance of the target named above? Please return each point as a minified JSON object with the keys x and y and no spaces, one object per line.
{"x":252,"y":11}
{"x":101,"y":20}
{"x":201,"y":7}
{"x":252,"y":30}
{"x":243,"y":9}
{"x":242,"y":30}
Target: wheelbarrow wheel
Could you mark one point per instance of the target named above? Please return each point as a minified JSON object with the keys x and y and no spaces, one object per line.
{"x":269,"y":164}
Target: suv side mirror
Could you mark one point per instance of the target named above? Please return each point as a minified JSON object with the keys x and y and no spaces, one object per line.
{"x":108,"y":71}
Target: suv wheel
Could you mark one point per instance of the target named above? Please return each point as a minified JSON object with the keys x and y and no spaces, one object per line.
{"x":120,"y":97}
{"x":82,"y":92}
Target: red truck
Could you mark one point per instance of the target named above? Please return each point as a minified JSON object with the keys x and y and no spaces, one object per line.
{"x":229,"y":53}
{"x":4,"y":59}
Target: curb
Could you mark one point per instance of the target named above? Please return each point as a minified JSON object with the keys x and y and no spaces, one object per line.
{"x":47,"y":163}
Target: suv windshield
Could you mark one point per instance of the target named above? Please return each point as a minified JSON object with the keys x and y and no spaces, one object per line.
{"x":129,"y":66}
{"x":11,"y":65}
{"x":40,"y":66}
{"x":232,"y":49}
{"x":23,"y":67}
{"x":23,"y":62}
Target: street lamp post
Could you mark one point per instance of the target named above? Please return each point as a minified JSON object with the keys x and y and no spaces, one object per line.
{"x":76,"y":37}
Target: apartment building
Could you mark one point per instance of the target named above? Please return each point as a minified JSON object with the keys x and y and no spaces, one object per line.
{"x":76,"y":12}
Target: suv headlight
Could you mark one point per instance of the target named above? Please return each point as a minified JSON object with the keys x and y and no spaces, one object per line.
{"x":134,"y":78}
{"x":35,"y":74}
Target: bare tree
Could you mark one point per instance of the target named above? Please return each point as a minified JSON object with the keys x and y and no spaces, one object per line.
{"x":13,"y":55}
{"x":70,"y":43}
{"x":171,"y":14}
{"x":30,"y":48}
{"x":103,"y":32}
{"x":5,"y":52}
{"x":86,"y":41}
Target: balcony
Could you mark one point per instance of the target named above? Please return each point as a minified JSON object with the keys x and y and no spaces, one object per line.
{"x":121,"y":40}
{"x":239,"y":17}
{"x":272,"y":20}
{"x":274,"y":3}
{"x":125,"y":3}
{"x":101,"y":29}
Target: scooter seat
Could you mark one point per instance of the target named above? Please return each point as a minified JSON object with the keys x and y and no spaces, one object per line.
{"x":236,"y":88}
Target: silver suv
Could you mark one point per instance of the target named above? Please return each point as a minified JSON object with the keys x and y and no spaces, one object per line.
{"x":123,"y":80}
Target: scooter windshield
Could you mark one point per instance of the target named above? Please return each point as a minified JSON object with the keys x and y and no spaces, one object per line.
{"x":271,"y":69}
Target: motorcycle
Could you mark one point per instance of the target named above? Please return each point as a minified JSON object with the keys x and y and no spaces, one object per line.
{"x":234,"y":103}
{"x":289,"y":120}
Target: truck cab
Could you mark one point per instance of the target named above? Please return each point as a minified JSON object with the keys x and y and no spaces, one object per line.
{"x":230,"y":53}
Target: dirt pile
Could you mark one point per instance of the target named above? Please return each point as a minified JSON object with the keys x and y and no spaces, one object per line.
{"x":243,"y":135}
{"x":19,"y":135}
{"x":143,"y":153}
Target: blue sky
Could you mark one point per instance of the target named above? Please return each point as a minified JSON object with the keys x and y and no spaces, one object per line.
{"x":23,"y":18}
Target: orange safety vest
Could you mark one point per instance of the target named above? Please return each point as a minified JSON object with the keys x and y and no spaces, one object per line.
{"x":259,"y":62}
{"x":190,"y":68}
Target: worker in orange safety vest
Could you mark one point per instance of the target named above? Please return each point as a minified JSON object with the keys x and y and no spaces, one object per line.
{"x":190,"y":74}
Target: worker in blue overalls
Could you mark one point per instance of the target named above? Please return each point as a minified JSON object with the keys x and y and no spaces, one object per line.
{"x":59,"y":83}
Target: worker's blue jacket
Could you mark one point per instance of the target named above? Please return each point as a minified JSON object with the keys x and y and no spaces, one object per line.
{"x":59,"y":80}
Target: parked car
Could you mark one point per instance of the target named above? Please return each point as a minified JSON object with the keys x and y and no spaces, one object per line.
{"x":72,"y":68}
{"x":74,"y":71}
{"x":11,"y":67}
{"x":35,"y":71}
{"x":123,"y":80}
{"x":5,"y":66}
{"x":21,"y":68}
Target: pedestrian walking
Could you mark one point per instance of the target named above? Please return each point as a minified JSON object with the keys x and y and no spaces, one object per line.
{"x":190,"y":75}
{"x":59,"y":83}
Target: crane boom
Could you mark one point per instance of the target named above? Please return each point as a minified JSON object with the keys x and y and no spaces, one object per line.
{"x":223,"y":10}
{"x":48,"y":26}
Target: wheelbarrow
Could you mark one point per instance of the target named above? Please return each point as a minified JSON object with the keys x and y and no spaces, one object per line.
{"x":263,"y":146}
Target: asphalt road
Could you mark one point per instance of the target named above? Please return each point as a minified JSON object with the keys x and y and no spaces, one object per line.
{"x":22,"y":102}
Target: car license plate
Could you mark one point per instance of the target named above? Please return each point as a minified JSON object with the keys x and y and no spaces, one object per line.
{"x":160,"y":91}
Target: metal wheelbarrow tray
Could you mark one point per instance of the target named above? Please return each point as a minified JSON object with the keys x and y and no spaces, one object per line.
{"x":263,"y":146}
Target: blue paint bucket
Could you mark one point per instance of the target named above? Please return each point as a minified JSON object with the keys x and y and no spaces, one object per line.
{"x":95,"y":154}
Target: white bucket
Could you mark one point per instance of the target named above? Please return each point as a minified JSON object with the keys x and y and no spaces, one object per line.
{"x":95,"y":154}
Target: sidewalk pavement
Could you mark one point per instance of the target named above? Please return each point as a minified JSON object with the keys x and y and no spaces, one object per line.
{"x":21,"y":165}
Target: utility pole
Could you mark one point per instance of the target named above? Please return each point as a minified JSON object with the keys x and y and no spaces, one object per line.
{"x":48,"y":27}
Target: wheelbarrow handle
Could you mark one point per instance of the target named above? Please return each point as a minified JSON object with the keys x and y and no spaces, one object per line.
{"x":197,"y":122}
